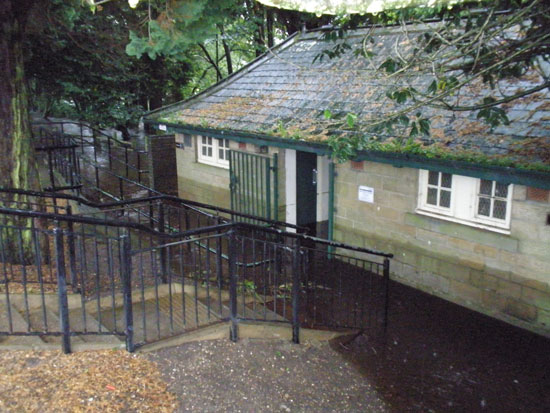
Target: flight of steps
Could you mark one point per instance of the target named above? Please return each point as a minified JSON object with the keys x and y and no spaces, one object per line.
{"x":34,"y":315}
{"x":159,"y":312}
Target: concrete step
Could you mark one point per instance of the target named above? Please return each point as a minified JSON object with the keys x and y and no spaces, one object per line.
{"x":159,"y":312}
{"x":52,"y":324}
{"x":19,"y":325}
{"x":157,"y":319}
{"x":92,"y":325}
{"x":248,"y":307}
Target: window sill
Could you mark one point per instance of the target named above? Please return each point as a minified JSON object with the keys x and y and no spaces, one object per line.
{"x":479,"y":225}
{"x":213,"y":163}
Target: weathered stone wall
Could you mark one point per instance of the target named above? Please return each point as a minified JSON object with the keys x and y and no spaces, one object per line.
{"x":505,"y":276}
{"x":210,"y":184}
{"x":162,"y":164}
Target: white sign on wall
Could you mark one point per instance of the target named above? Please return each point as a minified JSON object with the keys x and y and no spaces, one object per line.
{"x":162,"y":127}
{"x":366,"y":194}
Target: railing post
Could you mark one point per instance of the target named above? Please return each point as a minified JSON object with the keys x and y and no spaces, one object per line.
{"x":81,"y":137}
{"x":275,"y":172}
{"x":296,"y":293}
{"x":164,"y":268}
{"x":50,"y":169}
{"x":219,"y":264}
{"x":94,"y":138}
{"x":126,"y":160}
{"x":151,"y":211}
{"x":72,"y":251}
{"x":138,"y":166}
{"x":109,"y":152}
{"x":62,"y":290}
{"x":127,"y":290}
{"x":120,"y":188}
{"x":268,"y":187}
{"x":386,"y":290}
{"x":233,"y":332}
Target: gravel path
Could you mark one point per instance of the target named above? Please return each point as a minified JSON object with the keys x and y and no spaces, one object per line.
{"x":258,"y":375}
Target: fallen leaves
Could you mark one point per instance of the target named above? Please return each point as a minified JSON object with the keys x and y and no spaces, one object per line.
{"x":92,"y":381}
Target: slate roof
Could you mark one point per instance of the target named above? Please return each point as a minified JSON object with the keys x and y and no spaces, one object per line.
{"x":285,"y":93}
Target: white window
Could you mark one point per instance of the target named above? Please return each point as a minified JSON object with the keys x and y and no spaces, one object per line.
{"x":213,"y":151}
{"x":471,"y":201}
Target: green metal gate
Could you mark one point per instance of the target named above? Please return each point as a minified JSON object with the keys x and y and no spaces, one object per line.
{"x":253,"y":184}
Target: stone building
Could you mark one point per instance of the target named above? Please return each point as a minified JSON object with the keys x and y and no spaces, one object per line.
{"x":466,"y":210}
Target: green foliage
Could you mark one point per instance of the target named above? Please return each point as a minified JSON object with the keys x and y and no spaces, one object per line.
{"x":390,"y":66}
{"x":336,"y":51}
{"x":494,"y":116}
{"x":344,"y":149}
{"x":401,"y":95}
{"x":88,"y":74}
{"x":281,"y":130}
{"x":179,"y":26}
{"x":350,"y":119}
{"x":476,"y":43}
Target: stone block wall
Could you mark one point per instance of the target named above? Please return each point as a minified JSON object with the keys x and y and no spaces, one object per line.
{"x":504,"y":276}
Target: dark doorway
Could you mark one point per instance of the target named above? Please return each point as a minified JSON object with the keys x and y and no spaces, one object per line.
{"x":306,"y":190}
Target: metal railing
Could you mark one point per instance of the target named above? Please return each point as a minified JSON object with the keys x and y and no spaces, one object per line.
{"x":104,"y":165}
{"x":97,"y":276}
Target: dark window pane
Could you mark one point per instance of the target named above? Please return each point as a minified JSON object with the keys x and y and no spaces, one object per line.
{"x":204,"y":140}
{"x":204,"y":151}
{"x":432,"y":196}
{"x":486,"y":187}
{"x":446,"y":180}
{"x":445,"y":199}
{"x":210,"y":151}
{"x":501,"y":190}
{"x":221,"y":153}
{"x":210,"y":141}
{"x":499,"y":209}
{"x":433,"y":178}
{"x":484,"y":207}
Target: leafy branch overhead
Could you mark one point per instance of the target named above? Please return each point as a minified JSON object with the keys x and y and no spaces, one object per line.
{"x":471,"y":60}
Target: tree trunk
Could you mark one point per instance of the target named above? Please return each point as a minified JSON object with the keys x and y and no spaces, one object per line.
{"x":155,"y":90}
{"x":17,"y":161}
{"x":269,"y":27}
{"x":226,"y":50}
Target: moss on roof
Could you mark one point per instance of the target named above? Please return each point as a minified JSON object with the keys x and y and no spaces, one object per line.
{"x":285,"y":94}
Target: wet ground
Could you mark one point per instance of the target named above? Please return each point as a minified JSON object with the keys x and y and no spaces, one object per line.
{"x":264,"y":376}
{"x":434,"y":356}
{"x":437,"y":356}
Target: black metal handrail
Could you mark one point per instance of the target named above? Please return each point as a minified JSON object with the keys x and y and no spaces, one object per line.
{"x":187,"y":233}
{"x":289,"y":279}
{"x":161,"y":197}
{"x":82,"y":124}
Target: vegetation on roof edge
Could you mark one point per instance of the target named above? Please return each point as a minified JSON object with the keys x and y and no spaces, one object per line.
{"x":347,"y":148}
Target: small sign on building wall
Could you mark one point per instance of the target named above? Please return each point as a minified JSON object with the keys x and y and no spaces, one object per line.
{"x":162,"y":127}
{"x":366,"y":194}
